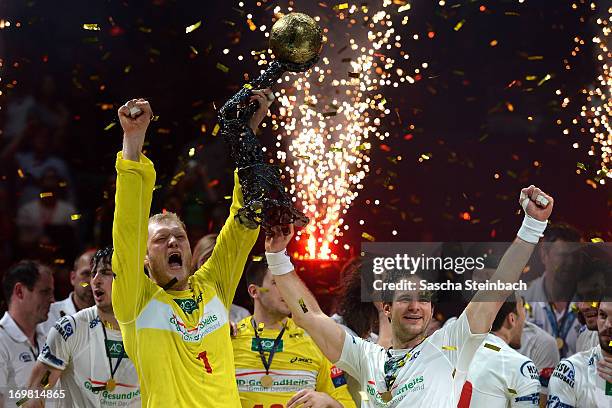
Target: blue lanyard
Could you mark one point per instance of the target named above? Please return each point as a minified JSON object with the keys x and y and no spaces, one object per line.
{"x":566,"y":323}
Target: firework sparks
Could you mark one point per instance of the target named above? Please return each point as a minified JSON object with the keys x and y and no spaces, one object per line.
{"x":331,"y":117}
{"x":593,"y":120}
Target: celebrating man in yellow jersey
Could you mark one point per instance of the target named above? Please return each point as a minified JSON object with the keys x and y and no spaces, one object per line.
{"x":277,"y":363}
{"x":174,"y":324}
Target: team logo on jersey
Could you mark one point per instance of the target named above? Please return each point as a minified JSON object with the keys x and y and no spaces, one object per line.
{"x":206,"y":325}
{"x":64,"y":328}
{"x":529,"y":370}
{"x":565,"y":372}
{"x":46,"y":353}
{"x":266,"y":345}
{"x":25,"y":357}
{"x":301,"y":360}
{"x":534,"y":399}
{"x":337,"y":377}
{"x":187,"y":305}
{"x":93,"y":323}
{"x":115,"y":348}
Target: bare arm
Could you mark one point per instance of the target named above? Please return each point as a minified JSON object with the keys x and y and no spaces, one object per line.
{"x":305,"y":310}
{"x":42,"y":377}
{"x":484,"y":306}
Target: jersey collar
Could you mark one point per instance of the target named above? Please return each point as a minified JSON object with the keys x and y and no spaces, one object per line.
{"x":13,"y":330}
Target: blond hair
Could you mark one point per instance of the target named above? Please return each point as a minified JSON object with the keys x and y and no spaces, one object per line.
{"x":204,"y":248}
{"x":167,"y":216}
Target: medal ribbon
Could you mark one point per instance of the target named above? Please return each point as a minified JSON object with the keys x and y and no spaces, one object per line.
{"x":561,"y":329}
{"x":393,"y":364}
{"x":267,"y":363}
{"x":110,"y":361}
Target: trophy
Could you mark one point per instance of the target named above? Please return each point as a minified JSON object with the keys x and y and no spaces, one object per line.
{"x":296,"y":42}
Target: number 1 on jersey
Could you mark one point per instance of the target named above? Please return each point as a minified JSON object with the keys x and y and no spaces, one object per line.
{"x":207,"y":367}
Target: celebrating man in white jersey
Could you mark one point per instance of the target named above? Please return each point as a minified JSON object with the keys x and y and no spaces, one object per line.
{"x":85,"y":352}
{"x":499,"y":376}
{"x":588,"y":337}
{"x":415,"y":371}
{"x":576,"y":382}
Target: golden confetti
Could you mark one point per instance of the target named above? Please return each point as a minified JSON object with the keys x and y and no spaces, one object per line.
{"x":192,"y":48}
{"x":459,"y":25}
{"x":46,"y":194}
{"x":546,"y":78}
{"x":20,"y":173}
{"x":193,"y":27}
{"x":216,"y":129}
{"x":191,"y":152}
{"x":367,"y":236}
{"x":110,"y":126}
{"x":512,"y":391}
{"x":257,"y":258}
{"x":252,"y":25}
{"x":595,"y":305}
{"x":222,"y":67}
{"x":84,"y":284}
{"x":492,"y":347}
{"x":91,"y":27}
{"x":59,"y":261}
{"x":449,"y":348}
{"x":75,"y":217}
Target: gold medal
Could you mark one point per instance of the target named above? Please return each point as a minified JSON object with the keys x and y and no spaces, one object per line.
{"x":111,"y":384}
{"x":266,"y":381}
{"x":386,"y":396}
{"x":560,"y":343}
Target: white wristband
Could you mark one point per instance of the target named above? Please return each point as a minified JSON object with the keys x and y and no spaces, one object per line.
{"x":531,"y":230}
{"x":279,"y":263}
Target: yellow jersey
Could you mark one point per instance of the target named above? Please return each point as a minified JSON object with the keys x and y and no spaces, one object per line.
{"x":179,"y":341}
{"x":297,"y":364}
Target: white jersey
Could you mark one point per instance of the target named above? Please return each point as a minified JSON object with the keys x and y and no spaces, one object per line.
{"x":501,"y":377}
{"x":76,"y":345}
{"x":433,"y":374}
{"x":17,"y":358}
{"x":57,"y":310}
{"x":587,"y":339}
{"x":575,"y":383}
{"x":541,"y":348}
{"x":540,"y":313}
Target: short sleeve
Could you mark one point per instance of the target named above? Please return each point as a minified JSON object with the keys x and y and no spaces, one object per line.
{"x":562,"y":386}
{"x":355,"y":352}
{"x":61,"y":342}
{"x":526,"y":390}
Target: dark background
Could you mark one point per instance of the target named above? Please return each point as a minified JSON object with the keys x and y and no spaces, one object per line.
{"x":459,"y":109}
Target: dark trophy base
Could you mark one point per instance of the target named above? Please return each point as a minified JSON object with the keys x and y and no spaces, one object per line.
{"x":266,"y":202}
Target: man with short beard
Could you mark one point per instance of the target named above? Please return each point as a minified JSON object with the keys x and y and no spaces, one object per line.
{"x":85,"y":353}
{"x":80,"y":297}
{"x":576,"y":382}
{"x":499,"y":376}
{"x":588,"y":337}
{"x":416,"y":371}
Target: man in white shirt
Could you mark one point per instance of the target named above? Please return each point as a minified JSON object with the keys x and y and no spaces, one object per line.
{"x":550,"y":306}
{"x":576,"y":382}
{"x":85,"y":352}
{"x":588,"y":337}
{"x":416,"y":371}
{"x":80,"y":298}
{"x":499,"y":376}
{"x":28,"y":290}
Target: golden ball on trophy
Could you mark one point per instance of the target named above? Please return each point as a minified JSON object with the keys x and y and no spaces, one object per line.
{"x":296,"y":38}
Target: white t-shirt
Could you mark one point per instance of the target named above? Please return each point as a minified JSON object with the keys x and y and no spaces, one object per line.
{"x":433,"y":374}
{"x":587,"y":339}
{"x":58,"y":310}
{"x":17,"y":358}
{"x":502,"y":377}
{"x":541,"y":348}
{"x":76,"y":346}
{"x":575,"y":383}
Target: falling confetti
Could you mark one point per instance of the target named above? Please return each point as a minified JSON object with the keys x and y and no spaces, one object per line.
{"x":193,"y":27}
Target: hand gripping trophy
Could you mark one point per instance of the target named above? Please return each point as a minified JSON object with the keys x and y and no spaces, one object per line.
{"x":296,"y":42}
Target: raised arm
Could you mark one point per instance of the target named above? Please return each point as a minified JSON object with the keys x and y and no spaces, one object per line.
{"x":135,"y":181}
{"x":484,"y":306}
{"x":305,"y":310}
